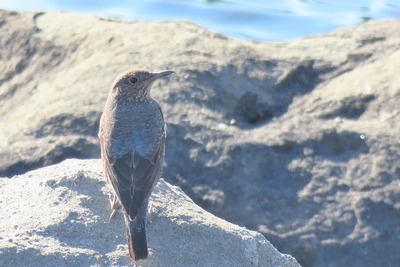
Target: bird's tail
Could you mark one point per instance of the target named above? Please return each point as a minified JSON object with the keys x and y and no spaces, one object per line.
{"x":137,"y":243}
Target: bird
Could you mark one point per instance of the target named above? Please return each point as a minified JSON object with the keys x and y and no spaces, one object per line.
{"x":132,"y":137}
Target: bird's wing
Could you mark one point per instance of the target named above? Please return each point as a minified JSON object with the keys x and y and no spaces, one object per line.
{"x":133,"y":175}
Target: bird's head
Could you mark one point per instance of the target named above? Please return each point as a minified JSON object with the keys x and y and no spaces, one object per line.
{"x":135,"y":85}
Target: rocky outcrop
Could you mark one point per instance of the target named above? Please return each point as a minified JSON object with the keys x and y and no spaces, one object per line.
{"x":59,"y":216}
{"x":297,"y":140}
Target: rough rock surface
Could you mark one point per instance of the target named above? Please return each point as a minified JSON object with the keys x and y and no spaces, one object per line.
{"x":58,"y":216}
{"x":298,"y":140}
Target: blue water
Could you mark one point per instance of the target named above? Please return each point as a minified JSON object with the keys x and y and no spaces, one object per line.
{"x":243,"y":19}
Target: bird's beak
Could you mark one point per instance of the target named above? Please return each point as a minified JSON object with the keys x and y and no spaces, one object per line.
{"x":159,"y":75}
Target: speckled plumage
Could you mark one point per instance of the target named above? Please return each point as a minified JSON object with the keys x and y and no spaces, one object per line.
{"x":132,"y":137}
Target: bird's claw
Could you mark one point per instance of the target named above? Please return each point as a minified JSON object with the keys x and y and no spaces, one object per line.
{"x":115,"y":206}
{"x":150,"y":213}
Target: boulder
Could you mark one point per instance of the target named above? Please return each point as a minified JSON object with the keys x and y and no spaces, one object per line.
{"x":59,"y":216}
{"x":297,"y":140}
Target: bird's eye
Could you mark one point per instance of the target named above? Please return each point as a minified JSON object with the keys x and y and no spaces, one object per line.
{"x":133,"y":80}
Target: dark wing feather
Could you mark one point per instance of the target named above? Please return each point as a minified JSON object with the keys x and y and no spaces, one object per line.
{"x":133,"y":176}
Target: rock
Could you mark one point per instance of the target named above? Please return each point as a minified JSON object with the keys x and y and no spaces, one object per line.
{"x":58,"y":216}
{"x":297,"y":140}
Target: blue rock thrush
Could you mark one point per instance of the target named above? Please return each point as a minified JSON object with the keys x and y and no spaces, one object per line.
{"x":132,"y":137}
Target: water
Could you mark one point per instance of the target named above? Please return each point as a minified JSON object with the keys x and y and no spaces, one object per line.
{"x":243,"y":19}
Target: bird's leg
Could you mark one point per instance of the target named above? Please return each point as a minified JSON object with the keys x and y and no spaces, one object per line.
{"x":150,"y":213}
{"x":150,"y":207}
{"x":115,"y":206}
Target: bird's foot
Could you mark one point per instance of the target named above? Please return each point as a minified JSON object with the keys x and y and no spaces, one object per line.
{"x":115,"y":206}
{"x":151,"y":213}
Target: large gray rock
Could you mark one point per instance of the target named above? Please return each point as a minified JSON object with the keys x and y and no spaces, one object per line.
{"x":58,"y":216}
{"x":298,"y":140}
